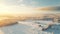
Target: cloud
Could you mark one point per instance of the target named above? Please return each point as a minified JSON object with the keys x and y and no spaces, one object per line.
{"x":33,"y":2}
{"x":15,"y":9}
{"x":20,"y":0}
{"x":18,"y":9}
{"x":49,"y":8}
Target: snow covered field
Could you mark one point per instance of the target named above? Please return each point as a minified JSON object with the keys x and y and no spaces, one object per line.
{"x":24,"y":29}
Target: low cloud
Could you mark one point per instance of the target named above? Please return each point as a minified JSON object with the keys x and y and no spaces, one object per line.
{"x":51,"y":8}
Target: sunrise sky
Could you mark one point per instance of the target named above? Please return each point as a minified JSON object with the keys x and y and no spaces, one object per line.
{"x":26,"y":6}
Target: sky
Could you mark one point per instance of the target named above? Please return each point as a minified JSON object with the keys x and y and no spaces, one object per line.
{"x":25,"y":6}
{"x":34,"y":3}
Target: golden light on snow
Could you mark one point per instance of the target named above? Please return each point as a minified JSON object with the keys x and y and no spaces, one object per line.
{"x":1,"y":32}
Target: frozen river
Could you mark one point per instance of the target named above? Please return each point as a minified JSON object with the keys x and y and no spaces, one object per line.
{"x":24,"y":29}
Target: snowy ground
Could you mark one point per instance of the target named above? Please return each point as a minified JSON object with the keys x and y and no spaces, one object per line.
{"x":24,"y":29}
